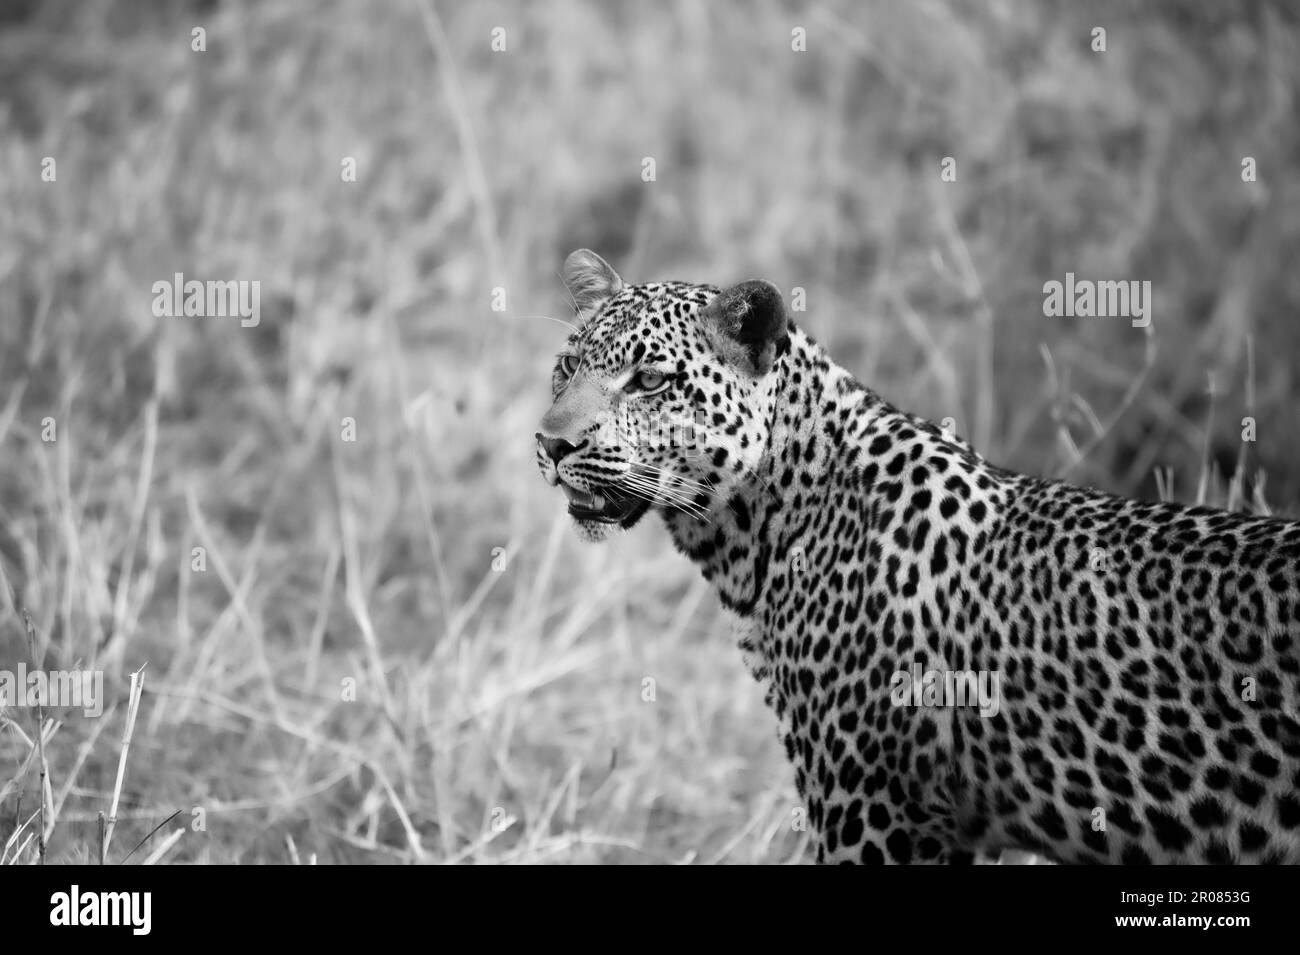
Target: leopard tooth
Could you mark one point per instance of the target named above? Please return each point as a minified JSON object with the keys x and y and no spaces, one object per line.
{"x":587,"y":500}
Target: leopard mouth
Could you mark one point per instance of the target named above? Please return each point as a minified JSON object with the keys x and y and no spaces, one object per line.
{"x":605,"y":505}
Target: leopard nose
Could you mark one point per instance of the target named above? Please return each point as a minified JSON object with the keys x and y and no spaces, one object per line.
{"x":557,"y":448}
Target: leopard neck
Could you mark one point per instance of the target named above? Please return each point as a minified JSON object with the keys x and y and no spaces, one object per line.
{"x":814,"y":400}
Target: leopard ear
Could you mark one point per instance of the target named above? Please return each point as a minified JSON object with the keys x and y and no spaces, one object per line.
{"x":748,"y":326}
{"x":590,"y":280}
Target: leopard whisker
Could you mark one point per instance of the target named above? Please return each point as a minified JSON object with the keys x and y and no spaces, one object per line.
{"x":653,"y":492}
{"x":691,"y":484}
{"x":559,"y":321}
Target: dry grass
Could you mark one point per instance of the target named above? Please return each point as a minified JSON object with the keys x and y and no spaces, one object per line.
{"x":499,"y":666}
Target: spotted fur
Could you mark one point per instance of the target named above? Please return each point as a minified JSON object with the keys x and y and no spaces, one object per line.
{"x":1148,"y":654}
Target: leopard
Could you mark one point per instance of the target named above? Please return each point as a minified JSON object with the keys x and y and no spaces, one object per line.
{"x":964,"y":661}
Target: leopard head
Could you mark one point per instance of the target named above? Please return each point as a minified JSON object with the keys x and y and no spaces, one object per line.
{"x":662,"y":396}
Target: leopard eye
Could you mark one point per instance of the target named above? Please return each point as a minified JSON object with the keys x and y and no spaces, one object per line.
{"x":568,"y":365}
{"x":647,"y":383}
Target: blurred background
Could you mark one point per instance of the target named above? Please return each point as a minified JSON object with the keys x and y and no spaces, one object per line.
{"x":394,"y":650}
